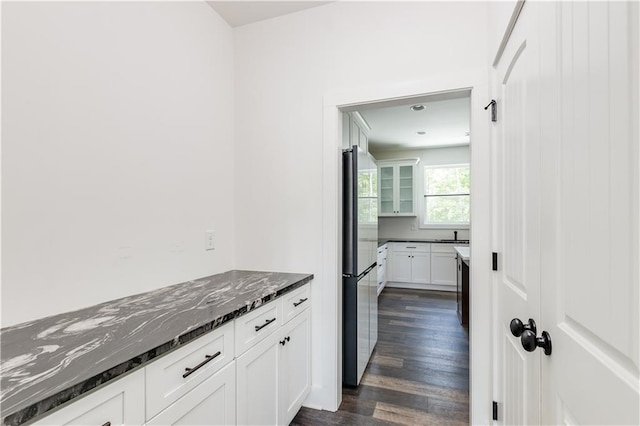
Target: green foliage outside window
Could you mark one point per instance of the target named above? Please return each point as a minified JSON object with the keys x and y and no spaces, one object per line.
{"x":446,"y":195}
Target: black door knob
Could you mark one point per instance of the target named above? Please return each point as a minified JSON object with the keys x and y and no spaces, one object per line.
{"x":530,"y":342}
{"x":517,"y":327}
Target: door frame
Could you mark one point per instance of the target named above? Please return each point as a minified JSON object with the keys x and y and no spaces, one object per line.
{"x":328,"y":387}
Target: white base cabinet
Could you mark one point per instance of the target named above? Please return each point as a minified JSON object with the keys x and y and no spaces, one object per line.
{"x":210,"y":403}
{"x":255,"y":370}
{"x":274,"y":377}
{"x":422,"y":265}
{"x":118,"y":403}
{"x":443,"y":265}
{"x":410,"y":262}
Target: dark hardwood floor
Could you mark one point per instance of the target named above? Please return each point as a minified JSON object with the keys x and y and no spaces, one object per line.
{"x":419,"y":371}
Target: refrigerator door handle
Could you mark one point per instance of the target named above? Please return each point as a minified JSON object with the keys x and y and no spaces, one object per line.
{"x":366,"y":271}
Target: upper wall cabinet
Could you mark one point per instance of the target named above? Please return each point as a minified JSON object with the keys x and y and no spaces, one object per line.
{"x":397,"y":188}
{"x":357,"y":131}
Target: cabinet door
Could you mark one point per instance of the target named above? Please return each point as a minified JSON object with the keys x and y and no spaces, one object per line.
{"x":295,"y":365}
{"x":386,"y":191}
{"x":257,"y":384}
{"x":117,"y":403}
{"x":210,"y":403}
{"x":406,"y":191}
{"x":400,"y":266}
{"x":420,"y":267}
{"x":443,"y":268}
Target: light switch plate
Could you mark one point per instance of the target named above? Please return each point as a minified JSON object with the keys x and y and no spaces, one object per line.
{"x":209,"y":240}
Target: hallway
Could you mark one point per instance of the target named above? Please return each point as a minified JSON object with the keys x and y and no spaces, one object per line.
{"x":419,"y":372}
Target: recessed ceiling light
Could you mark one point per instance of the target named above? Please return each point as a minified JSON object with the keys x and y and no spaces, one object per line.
{"x":421,"y":133}
{"x":417,"y":107}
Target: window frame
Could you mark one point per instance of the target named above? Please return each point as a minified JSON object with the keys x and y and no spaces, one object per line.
{"x":423,"y":199}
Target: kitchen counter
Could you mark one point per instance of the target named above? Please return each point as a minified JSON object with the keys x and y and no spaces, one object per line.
{"x":52,"y":360}
{"x":418,"y":240}
{"x":463,"y":251}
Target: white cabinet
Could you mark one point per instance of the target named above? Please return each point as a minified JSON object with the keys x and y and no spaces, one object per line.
{"x":410,"y":262}
{"x":253,"y":370}
{"x":383,"y":252}
{"x":210,"y":403}
{"x":258,"y":371}
{"x":174,"y":375}
{"x":443,"y":264}
{"x":295,"y":366}
{"x":357,"y":131}
{"x":397,"y":188}
{"x":274,"y":374}
{"x":117,"y":403}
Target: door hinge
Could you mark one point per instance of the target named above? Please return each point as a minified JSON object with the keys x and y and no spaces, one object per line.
{"x":494,"y":110}
{"x":495,"y":410}
{"x":494,"y":261}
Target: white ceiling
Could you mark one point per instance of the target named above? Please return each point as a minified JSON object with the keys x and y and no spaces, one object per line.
{"x":445,"y":119}
{"x":240,"y":12}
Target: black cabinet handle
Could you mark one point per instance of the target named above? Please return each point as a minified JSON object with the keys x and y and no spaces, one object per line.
{"x":410,"y":247}
{"x":296,"y":304}
{"x":285,"y":340}
{"x":266,"y":323}
{"x":208,"y":358}
{"x":107,"y":424}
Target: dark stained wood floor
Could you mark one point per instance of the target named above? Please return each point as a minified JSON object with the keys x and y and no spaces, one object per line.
{"x":419,"y":371}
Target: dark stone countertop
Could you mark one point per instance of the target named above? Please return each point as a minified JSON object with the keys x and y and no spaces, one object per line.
{"x":52,"y":360}
{"x":383,"y":241}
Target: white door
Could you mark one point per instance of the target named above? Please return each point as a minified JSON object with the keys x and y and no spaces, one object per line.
{"x":400,"y":266}
{"x":295,"y":365}
{"x":517,"y":222}
{"x":257,"y":375}
{"x":590,"y":238}
{"x":568,"y":218}
{"x":421,"y":267}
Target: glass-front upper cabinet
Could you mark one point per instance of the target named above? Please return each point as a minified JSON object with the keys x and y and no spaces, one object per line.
{"x":397,"y":188}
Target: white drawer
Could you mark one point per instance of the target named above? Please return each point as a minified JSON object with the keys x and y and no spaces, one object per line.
{"x":296,"y":302}
{"x":198,"y":360}
{"x":412,"y":247}
{"x":118,"y":403}
{"x":256,"y":325}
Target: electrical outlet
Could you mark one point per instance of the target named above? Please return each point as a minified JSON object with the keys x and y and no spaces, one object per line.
{"x":209,"y":241}
{"x":413,"y":227}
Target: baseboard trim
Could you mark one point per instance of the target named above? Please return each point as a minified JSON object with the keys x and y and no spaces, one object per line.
{"x":420,"y":286}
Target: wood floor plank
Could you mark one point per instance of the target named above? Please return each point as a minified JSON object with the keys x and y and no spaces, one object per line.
{"x":419,"y":371}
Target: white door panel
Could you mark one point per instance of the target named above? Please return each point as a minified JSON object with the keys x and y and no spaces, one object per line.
{"x":518,"y":230}
{"x":591,"y":262}
{"x":567,"y":215}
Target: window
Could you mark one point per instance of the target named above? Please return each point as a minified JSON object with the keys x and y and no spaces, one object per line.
{"x":368,"y":196}
{"x":446,"y":195}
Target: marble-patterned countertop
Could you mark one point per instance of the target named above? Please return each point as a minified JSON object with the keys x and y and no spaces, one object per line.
{"x":49,"y":361}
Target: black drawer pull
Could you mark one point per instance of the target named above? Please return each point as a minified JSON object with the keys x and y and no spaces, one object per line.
{"x":296,"y":304}
{"x":107,"y":424}
{"x":207,"y":359}
{"x":266,"y":323}
{"x":411,"y":247}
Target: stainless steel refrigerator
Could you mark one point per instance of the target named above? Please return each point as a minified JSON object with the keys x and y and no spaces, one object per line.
{"x":359,"y":256}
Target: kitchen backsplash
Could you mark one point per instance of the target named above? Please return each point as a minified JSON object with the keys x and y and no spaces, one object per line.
{"x":407,"y":227}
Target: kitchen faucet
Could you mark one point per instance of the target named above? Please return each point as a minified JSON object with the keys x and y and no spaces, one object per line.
{"x":455,"y":235}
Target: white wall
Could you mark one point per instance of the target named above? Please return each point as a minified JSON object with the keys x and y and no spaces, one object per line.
{"x":284,"y":68}
{"x":117,"y":151}
{"x":409,"y":227}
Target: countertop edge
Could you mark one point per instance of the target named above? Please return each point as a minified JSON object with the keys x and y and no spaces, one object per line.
{"x":42,"y":407}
